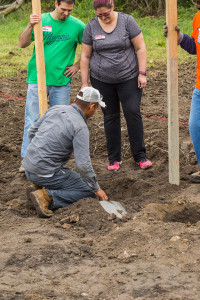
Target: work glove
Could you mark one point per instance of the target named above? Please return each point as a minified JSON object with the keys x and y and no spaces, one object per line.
{"x":179,"y":33}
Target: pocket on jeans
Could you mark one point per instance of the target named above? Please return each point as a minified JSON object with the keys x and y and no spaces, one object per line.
{"x":197,"y":91}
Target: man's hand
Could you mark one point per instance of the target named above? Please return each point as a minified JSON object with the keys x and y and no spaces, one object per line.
{"x":34,"y":19}
{"x":71,"y":71}
{"x":101,"y":195}
{"x":165,"y":29}
{"x":25,"y":36}
{"x":179,"y":33}
{"x":177,"y":28}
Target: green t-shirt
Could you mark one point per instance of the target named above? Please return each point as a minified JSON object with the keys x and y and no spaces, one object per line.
{"x":60,"y":42}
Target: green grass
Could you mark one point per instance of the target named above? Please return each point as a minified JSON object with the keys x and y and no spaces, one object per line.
{"x":156,"y":42}
{"x":13,"y":59}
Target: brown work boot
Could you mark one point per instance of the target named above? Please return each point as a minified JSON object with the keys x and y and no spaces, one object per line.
{"x":31,"y":188}
{"x":41,"y":202}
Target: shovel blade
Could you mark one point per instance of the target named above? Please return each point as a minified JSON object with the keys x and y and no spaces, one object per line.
{"x":113,"y":207}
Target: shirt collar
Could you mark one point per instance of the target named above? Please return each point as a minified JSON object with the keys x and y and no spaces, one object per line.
{"x":75,"y":106}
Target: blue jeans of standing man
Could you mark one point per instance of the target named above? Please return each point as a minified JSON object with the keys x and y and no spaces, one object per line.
{"x":65,"y":187}
{"x":194,"y":122}
{"x":58,"y":95}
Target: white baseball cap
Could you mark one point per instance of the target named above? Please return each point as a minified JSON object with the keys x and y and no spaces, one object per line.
{"x":91,"y":95}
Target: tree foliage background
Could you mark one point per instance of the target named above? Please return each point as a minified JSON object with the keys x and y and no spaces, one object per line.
{"x":149,"y":7}
{"x":143,"y":7}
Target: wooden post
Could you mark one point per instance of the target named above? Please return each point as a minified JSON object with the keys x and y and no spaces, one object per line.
{"x":172,"y":83}
{"x":39,"y":50}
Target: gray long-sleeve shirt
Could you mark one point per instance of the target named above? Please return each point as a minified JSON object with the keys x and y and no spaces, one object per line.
{"x":59,"y":132}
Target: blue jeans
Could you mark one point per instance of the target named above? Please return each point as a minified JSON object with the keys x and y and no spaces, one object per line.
{"x":65,"y":187}
{"x":194,"y":122}
{"x":58,"y":95}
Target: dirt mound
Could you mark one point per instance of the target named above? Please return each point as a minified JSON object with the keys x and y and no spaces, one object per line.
{"x":82,"y":252}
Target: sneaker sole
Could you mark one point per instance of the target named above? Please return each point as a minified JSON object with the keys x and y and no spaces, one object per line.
{"x":36,"y":203}
{"x":21,"y":170}
{"x":117,"y":169}
{"x":113,"y":169}
{"x":147,"y":167}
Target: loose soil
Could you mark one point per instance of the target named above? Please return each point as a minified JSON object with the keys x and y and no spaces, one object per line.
{"x":82,"y":252}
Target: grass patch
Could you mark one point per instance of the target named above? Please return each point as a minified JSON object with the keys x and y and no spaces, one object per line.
{"x":13,"y":59}
{"x":152,"y":29}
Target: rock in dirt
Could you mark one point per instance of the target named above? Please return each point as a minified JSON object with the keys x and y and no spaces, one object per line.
{"x":66,"y":226}
{"x":175,"y":238}
{"x":27,"y":240}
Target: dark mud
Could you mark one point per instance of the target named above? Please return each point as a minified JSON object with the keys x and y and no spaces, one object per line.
{"x":84,"y":253}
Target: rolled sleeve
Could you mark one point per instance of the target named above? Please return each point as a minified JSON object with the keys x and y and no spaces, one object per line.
{"x":188,"y":44}
{"x":87,"y":35}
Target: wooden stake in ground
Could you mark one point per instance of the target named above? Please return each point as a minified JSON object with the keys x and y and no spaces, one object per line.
{"x":172,"y":83}
{"x":39,"y":50}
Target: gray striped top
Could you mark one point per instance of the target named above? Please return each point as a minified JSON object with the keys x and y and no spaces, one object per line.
{"x":113,"y":58}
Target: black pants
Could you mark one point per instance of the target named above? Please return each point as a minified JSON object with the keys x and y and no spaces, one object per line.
{"x":129,"y":95}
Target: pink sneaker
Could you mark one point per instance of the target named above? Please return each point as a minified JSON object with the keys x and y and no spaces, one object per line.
{"x":145,"y":163}
{"x":114,"y":167}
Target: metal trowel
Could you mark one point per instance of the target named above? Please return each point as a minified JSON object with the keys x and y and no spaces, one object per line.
{"x":113,"y":207}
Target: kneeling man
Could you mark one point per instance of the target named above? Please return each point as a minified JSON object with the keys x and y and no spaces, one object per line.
{"x":59,"y":132}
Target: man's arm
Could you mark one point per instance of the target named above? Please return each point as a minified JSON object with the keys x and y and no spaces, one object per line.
{"x":25,"y":36}
{"x":83,"y":162}
{"x":72,"y":70}
{"x":188,"y":44}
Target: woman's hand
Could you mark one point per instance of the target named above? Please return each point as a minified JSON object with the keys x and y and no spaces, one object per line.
{"x":142,"y":81}
{"x":140,"y":48}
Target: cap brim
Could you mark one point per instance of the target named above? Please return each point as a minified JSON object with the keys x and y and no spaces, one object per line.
{"x":102,"y":104}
